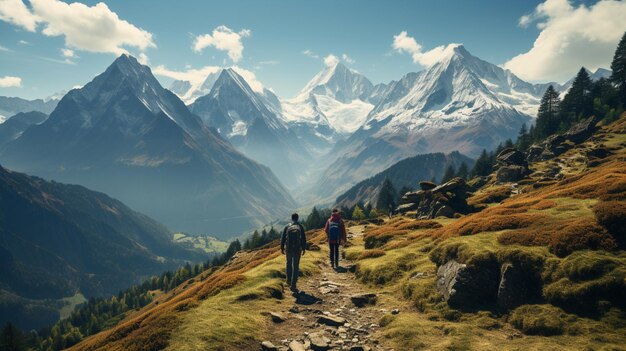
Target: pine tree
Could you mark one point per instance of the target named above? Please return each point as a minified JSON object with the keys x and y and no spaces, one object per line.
{"x":523,"y":138}
{"x":386,"y":196}
{"x":547,"y":117}
{"x":313,"y":220}
{"x":482,"y":167}
{"x":11,"y":339}
{"x":577,"y":103}
{"x":463,"y":171}
{"x":618,"y":66}
{"x":449,"y":174}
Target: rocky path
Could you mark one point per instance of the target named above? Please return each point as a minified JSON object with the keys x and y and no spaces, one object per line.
{"x":332,"y":312}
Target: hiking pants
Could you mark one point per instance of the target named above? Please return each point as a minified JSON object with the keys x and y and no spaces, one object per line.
{"x":334,"y":254}
{"x":293,"y":267}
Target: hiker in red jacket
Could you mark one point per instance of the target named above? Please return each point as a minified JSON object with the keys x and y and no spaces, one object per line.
{"x":336,"y":232}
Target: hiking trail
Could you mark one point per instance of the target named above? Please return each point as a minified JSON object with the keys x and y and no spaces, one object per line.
{"x":332,"y":312}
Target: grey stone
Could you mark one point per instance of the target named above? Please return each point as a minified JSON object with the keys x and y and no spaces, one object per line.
{"x":463,"y":287}
{"x":296,"y":346}
{"x":277,"y":317}
{"x":511,"y":157}
{"x":360,"y":300}
{"x":268,"y":346}
{"x":513,"y":173}
{"x":333,"y":321}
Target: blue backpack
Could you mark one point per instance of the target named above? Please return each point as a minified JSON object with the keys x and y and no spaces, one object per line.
{"x":334,"y":231}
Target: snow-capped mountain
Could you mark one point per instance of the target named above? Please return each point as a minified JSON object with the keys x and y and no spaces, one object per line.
{"x":461,"y":104}
{"x":249,"y":120}
{"x":126,"y":135}
{"x":337,"y":99}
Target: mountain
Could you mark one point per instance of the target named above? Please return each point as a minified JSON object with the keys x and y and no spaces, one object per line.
{"x":60,"y":240}
{"x":248,"y":120}
{"x":125,"y":135}
{"x":461,"y":104}
{"x":335,"y":102}
{"x":406,"y":173}
{"x":16,"y":125}
{"x":594,"y":76}
{"x":10,"y":106}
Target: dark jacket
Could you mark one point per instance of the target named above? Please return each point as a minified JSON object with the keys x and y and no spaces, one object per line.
{"x":283,"y":237}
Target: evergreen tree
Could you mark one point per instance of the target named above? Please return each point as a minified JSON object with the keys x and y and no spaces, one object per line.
{"x":577,"y":103}
{"x":483,"y":165}
{"x":313,"y":220}
{"x":449,"y":174}
{"x":386,"y":196}
{"x":618,"y":66}
{"x":463,"y":171}
{"x":547,"y":117}
{"x":523,"y":138}
{"x":11,"y":339}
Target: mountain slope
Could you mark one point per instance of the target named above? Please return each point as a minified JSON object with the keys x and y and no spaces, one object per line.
{"x":452,"y":106}
{"x":58,"y":240}
{"x":126,"y":135}
{"x":10,"y":106}
{"x":230,"y":308}
{"x":406,"y":173}
{"x":245,"y":118}
{"x":16,"y":125}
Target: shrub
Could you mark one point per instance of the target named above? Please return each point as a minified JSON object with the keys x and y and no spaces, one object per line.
{"x":419,"y":224}
{"x":495,"y":194}
{"x":371,"y":254}
{"x":612,"y":216}
{"x":580,"y":235}
{"x":543,"y":320}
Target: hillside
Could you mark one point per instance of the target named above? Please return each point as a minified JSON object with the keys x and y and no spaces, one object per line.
{"x":542,"y":269}
{"x":404,"y":174}
{"x":82,"y":242}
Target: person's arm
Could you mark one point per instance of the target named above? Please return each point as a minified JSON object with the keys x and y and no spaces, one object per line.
{"x":283,"y":237}
{"x":302,"y":238}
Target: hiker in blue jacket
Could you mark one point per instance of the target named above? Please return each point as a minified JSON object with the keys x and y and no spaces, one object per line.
{"x":294,"y":240}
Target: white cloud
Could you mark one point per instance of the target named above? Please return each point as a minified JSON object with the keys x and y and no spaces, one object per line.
{"x":331,"y":60}
{"x":269,"y":62}
{"x":404,"y":43}
{"x":23,"y":42}
{"x":250,"y":78}
{"x":310,"y":53}
{"x":68,"y":53}
{"x":16,"y":12}
{"x":347,"y":58}
{"x":89,"y":28}
{"x":224,"y":39}
{"x":10,"y":82}
{"x":143,"y":59}
{"x":570,"y":37}
{"x":2,"y":48}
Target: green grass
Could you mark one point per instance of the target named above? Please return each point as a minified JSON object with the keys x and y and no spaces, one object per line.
{"x":205,"y":243}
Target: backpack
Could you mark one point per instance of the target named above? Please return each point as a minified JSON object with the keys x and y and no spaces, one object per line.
{"x":294,"y":238}
{"x":334,"y":231}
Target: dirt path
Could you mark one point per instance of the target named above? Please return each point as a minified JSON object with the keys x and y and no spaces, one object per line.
{"x":324,"y":316}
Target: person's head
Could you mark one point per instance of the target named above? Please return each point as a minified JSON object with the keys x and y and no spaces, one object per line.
{"x":335,"y":211}
{"x":294,"y":217}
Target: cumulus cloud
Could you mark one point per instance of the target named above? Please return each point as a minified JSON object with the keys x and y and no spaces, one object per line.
{"x":89,"y":28}
{"x":2,"y":48}
{"x":331,"y":60}
{"x":23,"y":42}
{"x":404,"y":43}
{"x":571,"y":37}
{"x":16,"y":12}
{"x":310,"y":53}
{"x":143,"y":59}
{"x":68,"y":53}
{"x":10,"y":82}
{"x":224,"y":39}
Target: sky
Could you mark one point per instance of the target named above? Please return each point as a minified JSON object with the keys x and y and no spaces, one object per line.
{"x":51,"y":46}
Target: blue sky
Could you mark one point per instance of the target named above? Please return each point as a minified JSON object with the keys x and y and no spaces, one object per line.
{"x":274,"y":35}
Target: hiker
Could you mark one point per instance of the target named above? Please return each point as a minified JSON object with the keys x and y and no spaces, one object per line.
{"x":336,"y":232}
{"x":391,"y":210}
{"x":294,"y":240}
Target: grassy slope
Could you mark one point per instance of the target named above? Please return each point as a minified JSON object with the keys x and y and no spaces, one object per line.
{"x":222,"y":310}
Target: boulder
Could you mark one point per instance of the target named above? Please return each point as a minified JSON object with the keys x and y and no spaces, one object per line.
{"x":268,"y":346}
{"x":581,"y":131}
{"x":466,"y":287}
{"x":318,"y":342}
{"x":330,"y":320}
{"x":426,"y":185}
{"x":511,"y":173}
{"x":296,"y":346}
{"x":360,"y":300}
{"x":443,"y":200}
{"x":511,"y":157}
{"x":277,"y":317}
{"x":513,"y":289}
